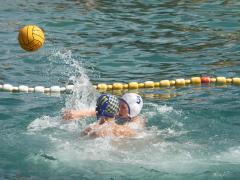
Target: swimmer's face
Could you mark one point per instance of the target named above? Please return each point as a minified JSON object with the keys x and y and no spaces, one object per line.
{"x":123,"y":109}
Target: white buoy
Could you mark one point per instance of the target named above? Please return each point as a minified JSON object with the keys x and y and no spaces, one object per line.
{"x":15,"y":89}
{"x":69,"y":88}
{"x":23,"y":88}
{"x":39,"y":89}
{"x":62,"y":89}
{"x":7,"y":87}
{"x":55,"y":89}
{"x":46,"y":90}
{"x":30,"y":89}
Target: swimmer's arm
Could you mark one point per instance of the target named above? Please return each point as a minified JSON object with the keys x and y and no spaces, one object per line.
{"x":76,"y":114}
{"x":99,"y":133}
{"x":88,"y":130}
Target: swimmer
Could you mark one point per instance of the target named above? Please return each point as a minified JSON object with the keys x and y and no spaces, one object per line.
{"x":106,"y":110}
{"x":129,"y":109}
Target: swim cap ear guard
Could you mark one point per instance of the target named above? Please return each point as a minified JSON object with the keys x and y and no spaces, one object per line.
{"x":134,"y":102}
{"x":107,"y":106}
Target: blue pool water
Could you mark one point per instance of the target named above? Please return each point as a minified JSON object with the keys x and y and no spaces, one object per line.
{"x":192,"y":132}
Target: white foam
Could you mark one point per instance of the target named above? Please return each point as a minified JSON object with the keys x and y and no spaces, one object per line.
{"x":149,"y":150}
{"x":154,"y":109}
{"x":42,"y":123}
{"x":231,"y":155}
{"x":164,"y":109}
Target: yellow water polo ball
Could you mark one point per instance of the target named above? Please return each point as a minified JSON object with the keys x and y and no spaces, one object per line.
{"x":31,"y":37}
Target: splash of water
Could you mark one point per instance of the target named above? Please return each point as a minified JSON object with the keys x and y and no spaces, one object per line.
{"x":84,"y":94}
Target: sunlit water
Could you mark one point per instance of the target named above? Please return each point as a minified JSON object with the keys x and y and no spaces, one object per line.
{"x":191,"y":132}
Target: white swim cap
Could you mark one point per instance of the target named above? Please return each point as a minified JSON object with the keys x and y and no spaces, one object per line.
{"x":134,"y":102}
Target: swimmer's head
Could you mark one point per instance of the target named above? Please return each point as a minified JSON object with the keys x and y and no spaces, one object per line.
{"x":132,"y":105}
{"x":107,"y":106}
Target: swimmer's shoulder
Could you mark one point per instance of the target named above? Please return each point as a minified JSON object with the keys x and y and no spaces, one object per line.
{"x":137,"y":122}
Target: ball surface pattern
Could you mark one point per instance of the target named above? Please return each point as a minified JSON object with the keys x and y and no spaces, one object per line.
{"x":31,"y":37}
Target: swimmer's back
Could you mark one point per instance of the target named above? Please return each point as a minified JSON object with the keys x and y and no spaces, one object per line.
{"x":112,"y":130}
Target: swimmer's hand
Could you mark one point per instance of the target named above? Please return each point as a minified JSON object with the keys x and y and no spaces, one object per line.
{"x":76,"y":114}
